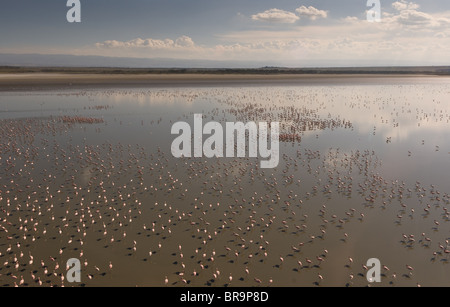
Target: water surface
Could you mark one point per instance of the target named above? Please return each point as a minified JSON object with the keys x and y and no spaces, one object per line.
{"x":369,"y":179}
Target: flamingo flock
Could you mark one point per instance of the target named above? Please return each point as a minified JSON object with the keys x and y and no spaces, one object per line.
{"x":134,"y":215}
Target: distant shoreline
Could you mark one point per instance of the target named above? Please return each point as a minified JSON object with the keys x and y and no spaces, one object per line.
{"x":397,"y":70}
{"x":104,"y":78}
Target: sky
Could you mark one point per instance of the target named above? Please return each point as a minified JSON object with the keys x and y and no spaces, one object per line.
{"x":293,"y":33}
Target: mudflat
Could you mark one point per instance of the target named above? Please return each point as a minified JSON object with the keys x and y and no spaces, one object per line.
{"x":30,"y":81}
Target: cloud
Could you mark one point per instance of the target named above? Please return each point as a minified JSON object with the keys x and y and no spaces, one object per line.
{"x":180,"y":43}
{"x":415,"y":18}
{"x":422,"y":21}
{"x":406,"y":19}
{"x":409,"y":16}
{"x":405,"y":5}
{"x":281,"y":16}
{"x":311,"y":12}
{"x":406,"y":35}
{"x":184,"y":41}
{"x":185,"y":48}
{"x":276,"y":16}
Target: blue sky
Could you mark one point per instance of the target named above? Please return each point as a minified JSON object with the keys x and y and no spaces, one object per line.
{"x":293,"y":32}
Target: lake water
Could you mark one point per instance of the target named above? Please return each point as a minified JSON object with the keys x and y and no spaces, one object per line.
{"x":89,"y":174}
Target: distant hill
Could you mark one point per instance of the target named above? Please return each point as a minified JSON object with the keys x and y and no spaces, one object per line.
{"x":442,"y":70}
{"x":61,"y":60}
{"x":115,"y":65}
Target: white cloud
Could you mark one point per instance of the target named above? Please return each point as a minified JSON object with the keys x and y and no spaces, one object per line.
{"x":184,"y":41}
{"x":415,"y":18}
{"x":180,"y":43}
{"x":409,"y":17}
{"x":311,"y":12}
{"x":405,"y":5}
{"x":281,"y":16}
{"x":405,"y":35}
{"x":185,"y":48}
{"x":405,"y":21}
{"x":276,"y":16}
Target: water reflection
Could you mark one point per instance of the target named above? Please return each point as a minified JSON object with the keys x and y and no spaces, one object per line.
{"x":369,"y":170}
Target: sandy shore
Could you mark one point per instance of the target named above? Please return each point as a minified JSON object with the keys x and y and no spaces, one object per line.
{"x":38,"y":81}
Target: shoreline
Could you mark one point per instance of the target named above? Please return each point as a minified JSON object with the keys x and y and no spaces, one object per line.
{"x":47,"y":81}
